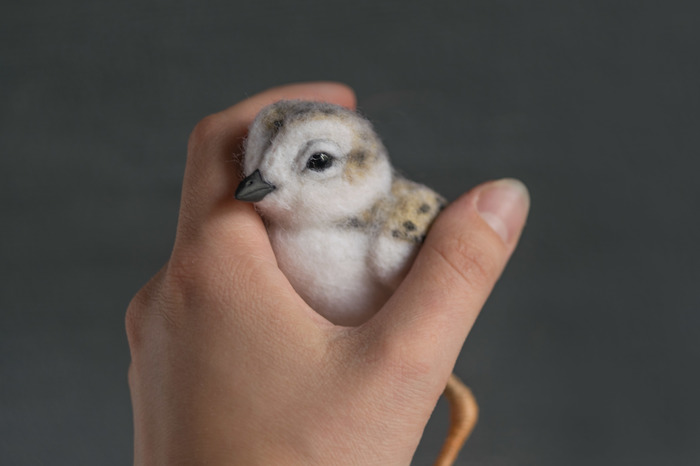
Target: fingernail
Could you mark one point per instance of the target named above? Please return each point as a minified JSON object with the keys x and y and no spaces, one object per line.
{"x":503,"y":204}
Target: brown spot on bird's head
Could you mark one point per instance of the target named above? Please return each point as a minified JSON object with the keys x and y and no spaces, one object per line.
{"x":358,"y":157}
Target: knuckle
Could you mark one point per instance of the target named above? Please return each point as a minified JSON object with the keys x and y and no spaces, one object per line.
{"x":186,"y":279}
{"x":134,"y":317}
{"x":193,"y":268}
{"x":147,"y":302}
{"x":476,"y":263}
{"x":207,"y":129}
{"x":197,"y":278}
{"x":181,"y":271}
{"x":131,"y":376}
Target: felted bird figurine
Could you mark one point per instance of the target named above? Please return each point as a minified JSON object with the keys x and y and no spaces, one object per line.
{"x":333,"y":206}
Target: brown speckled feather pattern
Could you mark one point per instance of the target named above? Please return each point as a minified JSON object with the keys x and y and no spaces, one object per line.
{"x":405,"y":214}
{"x":412,"y":209}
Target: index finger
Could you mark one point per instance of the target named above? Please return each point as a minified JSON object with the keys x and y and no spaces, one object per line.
{"x":211,"y":173}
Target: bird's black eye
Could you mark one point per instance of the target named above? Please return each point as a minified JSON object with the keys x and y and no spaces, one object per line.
{"x":319,"y":161}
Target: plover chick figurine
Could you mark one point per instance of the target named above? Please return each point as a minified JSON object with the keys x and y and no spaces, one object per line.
{"x":344,"y":226}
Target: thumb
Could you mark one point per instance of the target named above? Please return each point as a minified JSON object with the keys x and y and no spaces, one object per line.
{"x":433,"y":310}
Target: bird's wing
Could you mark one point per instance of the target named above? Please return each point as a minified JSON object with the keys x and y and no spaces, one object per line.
{"x":403,"y":221}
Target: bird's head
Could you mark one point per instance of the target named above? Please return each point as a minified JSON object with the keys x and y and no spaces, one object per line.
{"x":312,"y":162}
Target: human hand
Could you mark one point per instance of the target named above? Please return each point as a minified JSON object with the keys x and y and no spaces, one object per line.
{"x":230,"y":366}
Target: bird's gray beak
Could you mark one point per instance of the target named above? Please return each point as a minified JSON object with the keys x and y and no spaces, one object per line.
{"x":253,"y":188}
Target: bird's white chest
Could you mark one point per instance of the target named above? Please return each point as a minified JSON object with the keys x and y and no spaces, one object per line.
{"x":329,"y":268}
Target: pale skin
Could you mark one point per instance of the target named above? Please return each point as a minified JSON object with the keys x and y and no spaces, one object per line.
{"x":230,"y":366}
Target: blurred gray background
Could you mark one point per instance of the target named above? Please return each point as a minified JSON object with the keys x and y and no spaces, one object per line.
{"x":587,"y":352}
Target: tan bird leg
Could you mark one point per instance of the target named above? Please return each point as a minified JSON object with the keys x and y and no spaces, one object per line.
{"x":464,"y":412}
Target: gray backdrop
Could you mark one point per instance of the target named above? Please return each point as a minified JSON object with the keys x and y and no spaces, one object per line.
{"x":587,"y":352}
